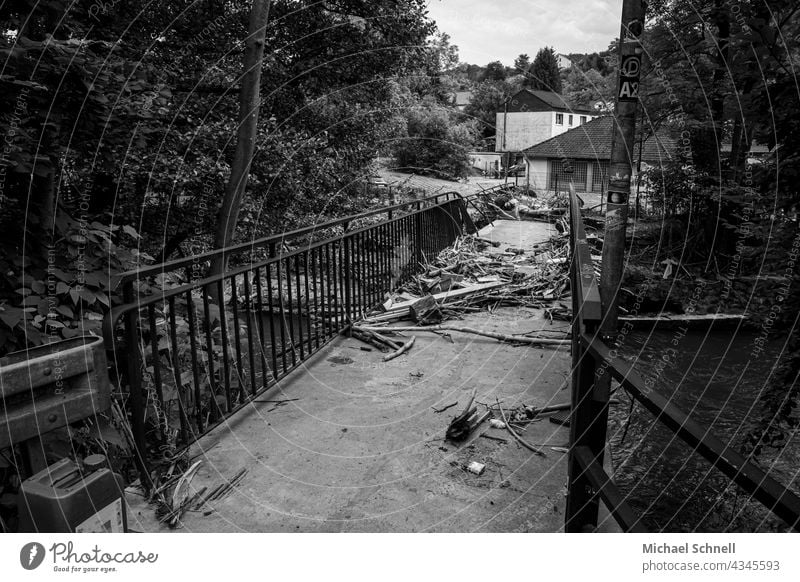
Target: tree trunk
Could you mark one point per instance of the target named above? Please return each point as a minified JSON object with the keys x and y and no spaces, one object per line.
{"x":718,"y":88}
{"x":249,"y":99}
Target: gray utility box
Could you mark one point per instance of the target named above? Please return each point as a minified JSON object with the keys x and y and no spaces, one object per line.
{"x":51,"y":386}
{"x":67,"y":498}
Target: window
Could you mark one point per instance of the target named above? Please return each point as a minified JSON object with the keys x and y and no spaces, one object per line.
{"x":583,"y":119}
{"x":570,"y":120}
{"x":560,"y":178}
{"x":559,"y":119}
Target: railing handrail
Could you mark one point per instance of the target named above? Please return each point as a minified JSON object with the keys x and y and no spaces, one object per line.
{"x":323,"y":285}
{"x":116,"y":313}
{"x":175,"y":264}
{"x":587,"y":292}
{"x":590,"y":353}
{"x":769,"y":492}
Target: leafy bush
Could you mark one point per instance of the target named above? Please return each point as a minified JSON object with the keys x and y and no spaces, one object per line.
{"x":436,"y":143}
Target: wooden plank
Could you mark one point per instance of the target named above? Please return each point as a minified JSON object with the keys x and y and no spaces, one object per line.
{"x":445,"y":296}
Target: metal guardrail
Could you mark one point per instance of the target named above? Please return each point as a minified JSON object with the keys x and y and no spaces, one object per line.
{"x":188,"y":363}
{"x":588,"y":482}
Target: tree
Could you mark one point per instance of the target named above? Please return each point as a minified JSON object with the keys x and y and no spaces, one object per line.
{"x":435,"y":143}
{"x":487,"y":99}
{"x":138,"y":135}
{"x":495,"y":71}
{"x":544,"y":73}
{"x":249,"y":104}
{"x":522,"y":63}
{"x":585,"y":89}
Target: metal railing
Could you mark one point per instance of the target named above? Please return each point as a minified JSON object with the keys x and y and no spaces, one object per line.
{"x":593,"y":362}
{"x":187,"y":362}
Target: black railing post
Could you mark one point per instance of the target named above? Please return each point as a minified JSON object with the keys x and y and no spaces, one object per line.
{"x":589,"y":418}
{"x":348,"y":299}
{"x":417,"y":239}
{"x":136,"y":401}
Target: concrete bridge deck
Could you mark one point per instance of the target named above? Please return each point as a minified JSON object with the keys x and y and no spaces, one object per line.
{"x":360,"y":448}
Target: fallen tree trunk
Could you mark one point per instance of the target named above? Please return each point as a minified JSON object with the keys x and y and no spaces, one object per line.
{"x":497,"y":336}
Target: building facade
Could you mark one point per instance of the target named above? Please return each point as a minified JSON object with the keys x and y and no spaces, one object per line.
{"x":582,"y":156}
{"x":531,"y":117}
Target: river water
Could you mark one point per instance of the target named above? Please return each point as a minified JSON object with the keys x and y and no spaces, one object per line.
{"x":715,"y":378}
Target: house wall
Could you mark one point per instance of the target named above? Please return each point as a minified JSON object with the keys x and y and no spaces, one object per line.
{"x":526,"y":129}
{"x":523,"y":129}
{"x":539,"y":170}
{"x":537,"y":174}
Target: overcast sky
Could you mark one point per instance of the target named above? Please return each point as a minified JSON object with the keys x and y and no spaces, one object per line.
{"x":490,"y":30}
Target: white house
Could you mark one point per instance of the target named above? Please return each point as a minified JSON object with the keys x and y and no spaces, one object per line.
{"x":564,"y":62}
{"x":530,"y":117}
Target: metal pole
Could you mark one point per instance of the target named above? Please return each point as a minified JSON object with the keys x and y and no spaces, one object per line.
{"x":619,"y":183}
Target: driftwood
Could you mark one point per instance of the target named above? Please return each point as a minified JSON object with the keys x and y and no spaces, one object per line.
{"x":497,"y":336}
{"x":443,"y":408}
{"x":426,"y":310}
{"x":401,"y":350}
{"x":518,"y":438}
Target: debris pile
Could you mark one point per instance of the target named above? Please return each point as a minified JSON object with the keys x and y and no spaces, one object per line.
{"x":464,"y":278}
{"x":471,"y":275}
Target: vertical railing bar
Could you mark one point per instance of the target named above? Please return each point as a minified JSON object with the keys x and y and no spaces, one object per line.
{"x":137,"y":405}
{"x":192,"y":317}
{"x":176,"y":370}
{"x":212,"y":386}
{"x":250,"y":314}
{"x":374,"y":267}
{"x":316,"y":284}
{"x":265,"y":371}
{"x":151,"y":317}
{"x":348,"y":306}
{"x":299,"y":307}
{"x":290,"y":301}
{"x":308,"y":298}
{"x":359,"y":275}
{"x":335,"y":278}
{"x":273,"y":345}
{"x":223,"y":322}
{"x":236,"y":332}
{"x":325,"y":291}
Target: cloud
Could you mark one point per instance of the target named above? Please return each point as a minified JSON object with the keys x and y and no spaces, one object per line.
{"x":488,"y":31}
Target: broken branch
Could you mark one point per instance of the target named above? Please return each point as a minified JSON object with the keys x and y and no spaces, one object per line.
{"x":516,"y":436}
{"x":404,"y":348}
{"x":497,"y":336}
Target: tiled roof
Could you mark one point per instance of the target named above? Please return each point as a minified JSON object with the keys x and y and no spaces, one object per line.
{"x":592,"y":141}
{"x":553,"y":100}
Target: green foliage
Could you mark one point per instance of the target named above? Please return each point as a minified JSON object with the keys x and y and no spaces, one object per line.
{"x":522,"y":63}
{"x":487,"y":100}
{"x":125,"y":120}
{"x":66,"y":291}
{"x":584,"y":89}
{"x":544,"y":74}
{"x":436,"y":143}
{"x":495,"y":71}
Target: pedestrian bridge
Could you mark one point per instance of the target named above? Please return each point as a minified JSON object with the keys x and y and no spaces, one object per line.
{"x":300,"y":429}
